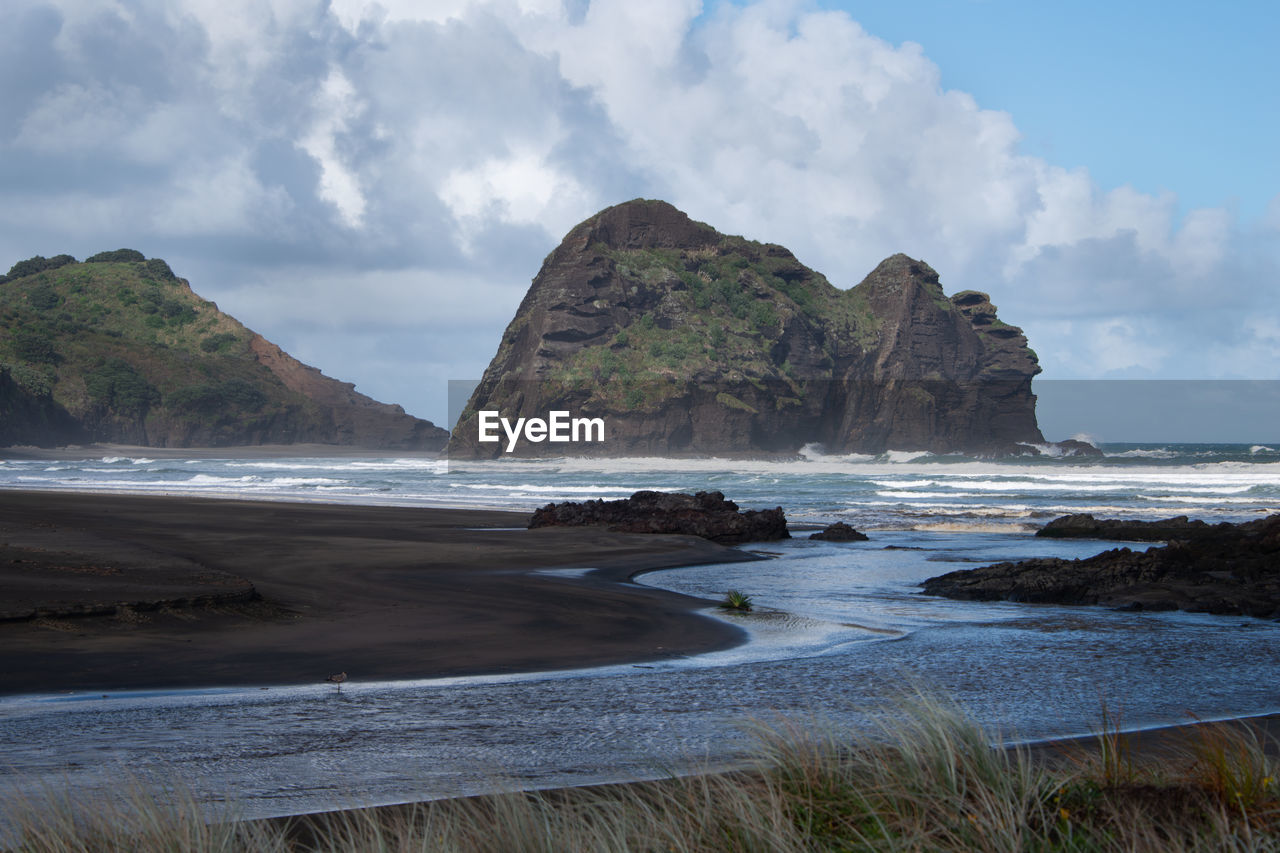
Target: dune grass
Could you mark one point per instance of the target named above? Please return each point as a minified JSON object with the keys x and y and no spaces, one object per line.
{"x":932,"y":780}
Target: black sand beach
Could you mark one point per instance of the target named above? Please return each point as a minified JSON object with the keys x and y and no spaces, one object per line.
{"x":196,"y":592}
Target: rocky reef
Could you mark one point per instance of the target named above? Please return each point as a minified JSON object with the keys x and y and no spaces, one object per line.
{"x":688,"y":341}
{"x":1085,"y":526}
{"x":1225,"y":568}
{"x":705,"y":514}
{"x":118,"y":349}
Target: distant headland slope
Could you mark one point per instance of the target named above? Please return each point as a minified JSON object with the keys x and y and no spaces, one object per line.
{"x":118,"y":349}
{"x":689,"y":341}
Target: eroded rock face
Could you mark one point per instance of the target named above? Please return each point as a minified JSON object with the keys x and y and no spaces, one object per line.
{"x":1231,"y":569}
{"x":688,"y":341}
{"x":344,"y":415}
{"x":29,"y":418}
{"x":705,"y":514}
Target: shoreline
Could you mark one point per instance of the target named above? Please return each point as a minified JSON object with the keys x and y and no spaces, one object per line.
{"x":380,"y":592}
{"x":1144,"y":745}
{"x":247,"y":451}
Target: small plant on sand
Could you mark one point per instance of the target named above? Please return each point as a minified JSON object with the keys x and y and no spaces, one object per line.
{"x":736,"y":600}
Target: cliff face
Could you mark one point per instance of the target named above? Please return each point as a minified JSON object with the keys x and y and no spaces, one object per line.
{"x":118,"y":349}
{"x":686,"y":340}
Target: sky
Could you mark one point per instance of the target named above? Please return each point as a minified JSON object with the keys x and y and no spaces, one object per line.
{"x":373,"y":185}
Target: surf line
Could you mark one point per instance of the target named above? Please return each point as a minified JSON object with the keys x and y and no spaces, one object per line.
{"x":558,"y":427}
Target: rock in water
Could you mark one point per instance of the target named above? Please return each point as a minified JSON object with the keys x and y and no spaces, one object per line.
{"x":706,"y":514}
{"x":1230,"y":569}
{"x":839,"y":532}
{"x":687,"y":341}
{"x":1085,"y":526}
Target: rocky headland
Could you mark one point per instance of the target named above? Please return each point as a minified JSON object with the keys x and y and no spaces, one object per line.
{"x":1224,"y":568}
{"x":705,"y":514}
{"x":689,"y":341}
{"x":119,"y":350}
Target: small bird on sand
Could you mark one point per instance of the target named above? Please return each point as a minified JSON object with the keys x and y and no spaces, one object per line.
{"x":337,"y":679}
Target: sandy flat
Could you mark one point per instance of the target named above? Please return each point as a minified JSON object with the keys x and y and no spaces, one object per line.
{"x":378,"y":592}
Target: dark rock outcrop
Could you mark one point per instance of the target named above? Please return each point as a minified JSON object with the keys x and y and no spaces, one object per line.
{"x":706,"y":514}
{"x":688,"y":341}
{"x":1085,"y":526}
{"x":1233,"y":570}
{"x":1076,"y":447}
{"x":839,"y":532}
{"x":30,"y":416}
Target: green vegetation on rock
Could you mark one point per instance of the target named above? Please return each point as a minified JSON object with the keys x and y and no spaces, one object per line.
{"x":119,"y":349}
{"x":718,"y":316}
{"x":31,"y":266}
{"x":116,"y":385}
{"x":131,"y":353}
{"x":118,"y":256}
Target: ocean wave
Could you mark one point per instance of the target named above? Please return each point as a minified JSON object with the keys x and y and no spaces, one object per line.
{"x":625,"y":491}
{"x":1197,"y":499}
{"x":313,"y":463}
{"x":1261,"y":448}
{"x":902,"y":493}
{"x":1139,"y":453}
{"x":926,"y":510}
{"x":897,"y":457}
{"x":1050,"y":451}
{"x":813,"y":452}
{"x":972,"y":527}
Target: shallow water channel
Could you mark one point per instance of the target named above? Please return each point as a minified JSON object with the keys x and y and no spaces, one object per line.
{"x":840,"y":634}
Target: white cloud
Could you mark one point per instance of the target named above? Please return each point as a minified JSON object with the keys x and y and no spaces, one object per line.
{"x":336,"y":105}
{"x":521,"y":189}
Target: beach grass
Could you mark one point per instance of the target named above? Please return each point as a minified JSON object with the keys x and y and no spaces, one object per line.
{"x":931,"y":779}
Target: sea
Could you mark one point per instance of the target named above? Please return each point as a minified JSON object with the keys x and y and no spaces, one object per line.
{"x":841,"y":636}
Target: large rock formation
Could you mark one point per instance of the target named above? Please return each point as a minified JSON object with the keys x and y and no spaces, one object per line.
{"x":1226,"y":568}
{"x":688,"y":341}
{"x":118,"y":349}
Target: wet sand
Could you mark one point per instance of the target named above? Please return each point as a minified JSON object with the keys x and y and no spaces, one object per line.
{"x":196,"y":592}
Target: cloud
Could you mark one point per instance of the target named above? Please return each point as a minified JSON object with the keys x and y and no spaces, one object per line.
{"x":336,"y":105}
{"x":383,"y":162}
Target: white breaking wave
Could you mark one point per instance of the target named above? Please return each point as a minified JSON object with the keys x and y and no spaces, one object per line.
{"x":971,"y":527}
{"x":897,"y":457}
{"x":364,"y":465}
{"x":533,"y":489}
{"x":1158,"y":453}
